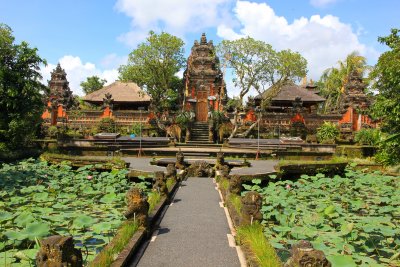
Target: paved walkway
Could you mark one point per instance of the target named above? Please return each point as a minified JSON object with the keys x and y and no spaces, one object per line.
{"x":258,"y":167}
{"x":193,"y":231}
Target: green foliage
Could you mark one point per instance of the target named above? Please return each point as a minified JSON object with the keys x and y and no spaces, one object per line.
{"x":386,"y":75}
{"x":252,"y":237}
{"x":20,"y":89}
{"x":355,"y":215}
{"x":154,"y":198}
{"x":327,"y":133}
{"x":333,"y":80}
{"x":183,"y":119}
{"x":125,"y":232}
{"x":92,"y":83}
{"x":107,"y":125}
{"x":153,"y":65}
{"x":39,"y":199}
{"x":368,"y":137}
{"x":256,"y":65}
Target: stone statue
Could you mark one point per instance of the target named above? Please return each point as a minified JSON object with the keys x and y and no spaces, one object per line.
{"x":171,"y":172}
{"x":220,"y":162}
{"x":138,"y":207}
{"x":304,"y":255}
{"x":251,"y":208}
{"x":235,"y":185}
{"x":160,"y":183}
{"x":108,"y":100}
{"x":200,"y":169}
{"x":58,"y":251}
{"x":180,"y":161}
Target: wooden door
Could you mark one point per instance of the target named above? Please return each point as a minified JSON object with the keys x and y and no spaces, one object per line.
{"x":202,"y":107}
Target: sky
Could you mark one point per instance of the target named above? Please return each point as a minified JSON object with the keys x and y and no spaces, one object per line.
{"x":91,"y":37}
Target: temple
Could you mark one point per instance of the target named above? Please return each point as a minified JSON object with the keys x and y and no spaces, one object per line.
{"x":353,"y":104}
{"x":59,"y":98}
{"x":204,"y":84}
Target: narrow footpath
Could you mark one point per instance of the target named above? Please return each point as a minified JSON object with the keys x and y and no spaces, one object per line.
{"x":194,"y":231}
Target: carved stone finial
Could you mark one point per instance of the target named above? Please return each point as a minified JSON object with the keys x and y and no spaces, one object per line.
{"x":304,"y":255}
{"x":171,"y":172}
{"x":138,"y":207}
{"x":220,"y":162}
{"x":203,"y":39}
{"x":235,"y":185}
{"x":108,"y":100}
{"x":160,"y":183}
{"x":57,"y":251}
{"x":251,"y":208}
{"x":180,"y":160}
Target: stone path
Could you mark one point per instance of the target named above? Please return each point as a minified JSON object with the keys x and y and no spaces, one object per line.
{"x":258,"y":167}
{"x":194,"y":231}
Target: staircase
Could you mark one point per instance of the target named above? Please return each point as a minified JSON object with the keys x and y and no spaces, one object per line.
{"x":199,"y":133}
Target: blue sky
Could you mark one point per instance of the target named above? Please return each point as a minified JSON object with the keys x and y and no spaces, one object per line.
{"x":93,"y":37}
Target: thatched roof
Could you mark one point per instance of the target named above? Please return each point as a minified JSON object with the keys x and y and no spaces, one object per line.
{"x":121,"y":92}
{"x":289,"y":92}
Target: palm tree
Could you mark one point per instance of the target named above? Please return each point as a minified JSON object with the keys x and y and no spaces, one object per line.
{"x":333,"y":80}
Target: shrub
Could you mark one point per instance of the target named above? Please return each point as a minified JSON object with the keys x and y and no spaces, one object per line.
{"x":107,"y":125}
{"x":368,"y":137}
{"x":327,"y":133}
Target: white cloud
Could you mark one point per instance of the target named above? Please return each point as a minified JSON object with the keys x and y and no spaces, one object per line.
{"x":77,"y":72}
{"x":174,"y":16}
{"x":321,"y":40}
{"x":322,"y":3}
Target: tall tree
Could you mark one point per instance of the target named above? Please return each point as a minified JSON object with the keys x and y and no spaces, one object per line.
{"x":256,"y":65}
{"x":334,"y":79}
{"x":153,"y":65}
{"x":20,"y":91}
{"x":92,"y":83}
{"x":386,"y":80}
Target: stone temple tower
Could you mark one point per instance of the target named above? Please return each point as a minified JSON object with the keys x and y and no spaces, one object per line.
{"x":205,"y":88}
{"x":59,"y":98}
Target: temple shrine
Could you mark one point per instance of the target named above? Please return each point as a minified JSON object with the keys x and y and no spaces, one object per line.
{"x":205,"y":88}
{"x":59,"y":99}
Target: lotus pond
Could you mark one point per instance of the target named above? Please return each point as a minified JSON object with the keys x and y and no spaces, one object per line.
{"x":354,"y":219}
{"x":38,"y":199}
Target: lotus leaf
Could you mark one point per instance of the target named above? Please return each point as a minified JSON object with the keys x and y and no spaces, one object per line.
{"x":36,"y":230}
{"x":5,"y":216}
{"x":341,"y":261}
{"x":24,"y":218}
{"x":83,"y":221}
{"x":109,"y":198}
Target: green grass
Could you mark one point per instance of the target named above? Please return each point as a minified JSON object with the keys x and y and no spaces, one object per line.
{"x":253,"y":239}
{"x":224,"y":183}
{"x":236,"y":202}
{"x":170,"y":184}
{"x":153,"y":198}
{"x":124,"y":234}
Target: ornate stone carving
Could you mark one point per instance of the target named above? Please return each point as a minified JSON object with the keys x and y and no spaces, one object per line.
{"x":108,"y":101}
{"x":200,"y":169}
{"x":171,"y":172}
{"x":354,"y":95}
{"x":58,"y":251}
{"x":251,"y":208}
{"x":180,"y":161}
{"x":220,"y":162}
{"x":160,"y":183}
{"x":138,"y":207}
{"x":304,"y":255}
{"x":59,"y":88}
{"x":235,"y":185}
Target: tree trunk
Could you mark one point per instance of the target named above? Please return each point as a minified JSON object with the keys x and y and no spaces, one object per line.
{"x":246,"y":133}
{"x":235,"y":124}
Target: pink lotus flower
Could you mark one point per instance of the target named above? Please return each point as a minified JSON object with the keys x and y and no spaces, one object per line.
{"x":288,"y":187}
{"x":89,"y":177}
